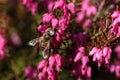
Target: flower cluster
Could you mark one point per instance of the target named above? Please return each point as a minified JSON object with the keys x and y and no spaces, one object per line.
{"x":31,"y":5}
{"x":116,"y":23}
{"x":2,"y":45}
{"x":30,"y":73}
{"x":64,"y":18}
{"x":48,"y":68}
{"x":101,"y":55}
{"x":86,"y":11}
{"x":82,"y":69}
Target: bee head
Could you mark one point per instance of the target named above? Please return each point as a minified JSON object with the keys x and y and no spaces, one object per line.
{"x":47,"y":37}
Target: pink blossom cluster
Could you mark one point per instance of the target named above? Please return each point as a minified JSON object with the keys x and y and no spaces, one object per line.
{"x":117,"y":51}
{"x":84,"y":15}
{"x":59,"y":24}
{"x":101,"y":55}
{"x":31,"y":5}
{"x":82,"y":69}
{"x":2,"y":45}
{"x":115,"y":68}
{"x":48,"y":68}
{"x":30,"y":73}
{"x":58,"y":17}
{"x":116,"y":23}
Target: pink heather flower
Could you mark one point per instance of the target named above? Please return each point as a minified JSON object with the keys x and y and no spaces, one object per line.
{"x":2,"y":53}
{"x":25,"y":2}
{"x":31,"y":5}
{"x":79,"y":78}
{"x":99,"y":54}
{"x":107,"y":52}
{"x":58,"y":68}
{"x":47,"y":17}
{"x":42,"y":76}
{"x":2,"y":45}
{"x":87,"y":23}
{"x":117,"y":70}
{"x":42,"y":28}
{"x":85,"y":5}
{"x":79,"y":54}
{"x":42,"y":64}
{"x":44,"y":70}
{"x":115,"y":25}
{"x":58,"y":37}
{"x":59,"y":3}
{"x":59,"y":60}
{"x":93,"y":51}
{"x":51,"y":74}
{"x":15,"y":40}
{"x":30,"y":73}
{"x":2,"y":41}
{"x":54,"y":23}
{"x":71,"y":7}
{"x":115,"y":14}
{"x":80,"y":17}
{"x":83,"y":70}
{"x":34,"y":8}
{"x":85,"y":60}
{"x":50,"y":5}
{"x":51,"y":61}
{"x":89,"y":72}
{"x":117,"y":49}
{"x":91,"y":11}
{"x":62,"y":23}
{"x":112,"y":68}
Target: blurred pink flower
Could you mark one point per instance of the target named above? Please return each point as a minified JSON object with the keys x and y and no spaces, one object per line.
{"x":91,"y":11}
{"x":30,"y":73}
{"x":115,"y":25}
{"x":47,"y":17}
{"x":85,"y":60}
{"x":59,"y":3}
{"x":42,"y":64}
{"x":115,"y":14}
{"x":59,"y":60}
{"x":80,"y":17}
{"x":79,"y":54}
{"x":89,"y":72}
{"x":2,"y":45}
{"x":87,"y":23}
{"x":71,"y":7}
{"x":54,"y":23}
{"x":52,"y":61}
{"x":31,"y":5}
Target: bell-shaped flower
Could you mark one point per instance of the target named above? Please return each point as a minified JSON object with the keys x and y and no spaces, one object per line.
{"x":54,"y":23}
{"x":93,"y":51}
{"x":115,"y":14}
{"x":51,"y":61}
{"x":47,"y":17}
{"x":42,"y":64}
{"x":71,"y":7}
{"x":84,"y":60}
{"x":30,"y":73}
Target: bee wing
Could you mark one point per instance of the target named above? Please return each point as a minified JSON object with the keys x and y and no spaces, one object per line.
{"x":33,"y":42}
{"x":46,"y":51}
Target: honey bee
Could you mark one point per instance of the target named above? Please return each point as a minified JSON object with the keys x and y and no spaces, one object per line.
{"x":44,"y":42}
